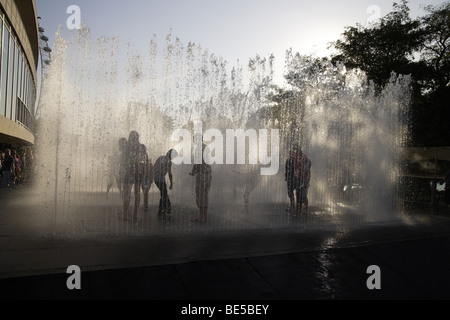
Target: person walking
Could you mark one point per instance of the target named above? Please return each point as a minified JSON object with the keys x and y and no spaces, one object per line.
{"x":203,"y":176}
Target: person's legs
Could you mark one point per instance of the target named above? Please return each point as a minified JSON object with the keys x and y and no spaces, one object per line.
{"x":126,"y":198}
{"x":109,"y":185}
{"x":5,"y":180}
{"x":298,"y":206}
{"x":197,"y":201}
{"x":137,"y":198}
{"x":145,"y":191}
{"x":164,"y":201}
{"x":119,"y":185}
{"x":204,"y":202}
{"x":203,"y":214}
{"x":160,"y":188}
{"x":197,"y":195}
{"x":201,"y":200}
{"x":290,"y":187}
{"x":167,"y":203}
{"x":12,"y":179}
{"x":305,"y":199}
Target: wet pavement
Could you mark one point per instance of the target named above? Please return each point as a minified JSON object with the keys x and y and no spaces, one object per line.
{"x":301,"y":261}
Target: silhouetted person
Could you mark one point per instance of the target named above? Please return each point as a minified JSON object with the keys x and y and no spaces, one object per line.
{"x":163,"y":167}
{"x":8,"y":169}
{"x":134,"y":160}
{"x":16,"y":177}
{"x":297,"y":176}
{"x":203,"y":175}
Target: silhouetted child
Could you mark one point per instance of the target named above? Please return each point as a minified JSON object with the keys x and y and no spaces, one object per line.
{"x":163,"y":167}
{"x":203,"y":176}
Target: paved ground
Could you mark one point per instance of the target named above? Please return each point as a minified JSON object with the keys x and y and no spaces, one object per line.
{"x":312,"y":262}
{"x":411,"y":269}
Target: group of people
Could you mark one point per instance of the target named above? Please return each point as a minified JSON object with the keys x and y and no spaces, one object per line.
{"x":16,"y":166}
{"x":132,"y":168}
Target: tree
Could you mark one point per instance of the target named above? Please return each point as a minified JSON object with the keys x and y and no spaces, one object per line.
{"x":382,"y":47}
{"x":417,"y":47}
{"x":435,"y":28}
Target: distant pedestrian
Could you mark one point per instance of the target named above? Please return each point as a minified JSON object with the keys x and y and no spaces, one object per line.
{"x":8,"y":169}
{"x":163,"y":167}
{"x":297,"y":176}
{"x":17,"y":167}
{"x":203,"y":176}
{"x":133,"y":173}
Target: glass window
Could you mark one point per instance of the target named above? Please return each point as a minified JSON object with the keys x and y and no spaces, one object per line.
{"x":18,"y":111}
{"x":33,"y":97}
{"x":14,"y":83}
{"x":23,"y":79}
{"x":10,"y":78}
{"x":19,"y":76}
{"x":1,"y":45}
{"x":4,"y":75}
{"x":29,"y":90}
{"x":27,"y":102}
{"x":25,"y":87}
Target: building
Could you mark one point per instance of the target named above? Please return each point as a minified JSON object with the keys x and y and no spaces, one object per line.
{"x":19,"y":53}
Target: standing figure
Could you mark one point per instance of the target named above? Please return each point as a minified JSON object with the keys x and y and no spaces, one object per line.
{"x":163,"y":167}
{"x":203,"y":176}
{"x":133,"y":173}
{"x":17,"y":167}
{"x":8,"y":169}
{"x":297,"y":176}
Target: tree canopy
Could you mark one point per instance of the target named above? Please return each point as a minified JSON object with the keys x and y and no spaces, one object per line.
{"x":395,"y":44}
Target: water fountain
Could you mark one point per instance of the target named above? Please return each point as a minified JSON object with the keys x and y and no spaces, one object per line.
{"x":353,"y":136}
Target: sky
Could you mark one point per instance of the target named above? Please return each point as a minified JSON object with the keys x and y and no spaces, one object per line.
{"x":235,"y":30}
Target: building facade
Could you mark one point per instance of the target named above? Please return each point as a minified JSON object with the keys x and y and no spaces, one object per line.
{"x":19,"y":54}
